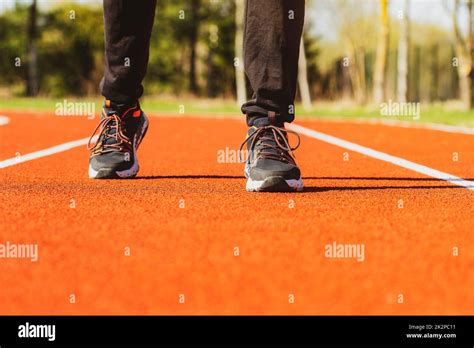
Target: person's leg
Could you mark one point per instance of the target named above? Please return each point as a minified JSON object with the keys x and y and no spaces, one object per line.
{"x":272,"y":37}
{"x":128,"y":26}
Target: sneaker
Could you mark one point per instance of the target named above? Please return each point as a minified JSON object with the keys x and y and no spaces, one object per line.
{"x":114,"y":155}
{"x":271,"y":165}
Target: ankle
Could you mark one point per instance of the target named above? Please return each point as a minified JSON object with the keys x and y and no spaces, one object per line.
{"x":262,"y":121}
{"x":114,"y":104}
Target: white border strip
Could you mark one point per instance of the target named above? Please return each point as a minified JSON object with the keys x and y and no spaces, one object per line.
{"x":43,"y":153}
{"x":4,"y":120}
{"x":396,"y":123}
{"x":383,"y":156}
{"x":432,"y":126}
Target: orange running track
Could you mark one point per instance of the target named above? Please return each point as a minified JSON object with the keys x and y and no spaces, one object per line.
{"x":185,"y":214}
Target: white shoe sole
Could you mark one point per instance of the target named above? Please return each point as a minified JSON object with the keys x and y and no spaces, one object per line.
{"x":272,"y":184}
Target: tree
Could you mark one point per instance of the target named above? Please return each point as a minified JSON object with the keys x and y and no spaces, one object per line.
{"x":416,"y":74}
{"x":464,"y":51}
{"x":193,"y":42}
{"x":403,"y":48}
{"x":381,"y":59}
{"x":239,"y":60}
{"x":303,"y":77}
{"x":72,"y":63}
{"x":434,"y":72}
{"x":32,"y":53}
{"x":355,"y":24}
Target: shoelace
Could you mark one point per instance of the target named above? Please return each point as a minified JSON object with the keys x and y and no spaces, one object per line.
{"x":101,"y":146}
{"x":269,"y":150}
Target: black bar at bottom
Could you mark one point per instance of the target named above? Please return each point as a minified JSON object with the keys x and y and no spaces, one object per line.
{"x":136,"y":330}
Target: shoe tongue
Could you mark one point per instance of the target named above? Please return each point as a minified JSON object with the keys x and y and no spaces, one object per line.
{"x":265,"y":121}
{"x":110,"y":109}
{"x":269,"y":139}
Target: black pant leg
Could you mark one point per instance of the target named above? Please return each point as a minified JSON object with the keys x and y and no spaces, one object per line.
{"x":272,"y":35}
{"x":128,"y":26}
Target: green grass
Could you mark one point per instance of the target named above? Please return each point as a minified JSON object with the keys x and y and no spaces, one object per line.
{"x":429,"y":113}
{"x":447,"y":113}
{"x":152,"y":105}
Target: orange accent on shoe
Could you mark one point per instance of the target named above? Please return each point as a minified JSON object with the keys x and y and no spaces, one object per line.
{"x":137,"y":113}
{"x":107,"y":103}
{"x":127,"y":111}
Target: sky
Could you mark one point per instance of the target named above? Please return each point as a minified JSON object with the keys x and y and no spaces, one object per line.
{"x":424,"y":11}
{"x":421,"y":11}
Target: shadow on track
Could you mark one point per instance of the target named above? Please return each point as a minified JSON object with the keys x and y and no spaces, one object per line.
{"x":364,"y":188}
{"x":381,"y":187}
{"x":156,"y":177}
{"x":199,"y":176}
{"x":374,"y":178}
{"x":326,"y":188}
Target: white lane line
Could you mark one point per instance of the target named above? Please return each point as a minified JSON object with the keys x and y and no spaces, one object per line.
{"x":43,"y":153}
{"x":432,"y":126}
{"x":4,"y":120}
{"x":403,"y":124}
{"x":383,"y":156}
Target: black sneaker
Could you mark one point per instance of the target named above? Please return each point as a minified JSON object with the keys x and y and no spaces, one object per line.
{"x":114,"y":155}
{"x":271,"y":165}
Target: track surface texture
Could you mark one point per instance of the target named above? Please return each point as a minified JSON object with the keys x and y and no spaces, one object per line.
{"x":200,"y":244}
